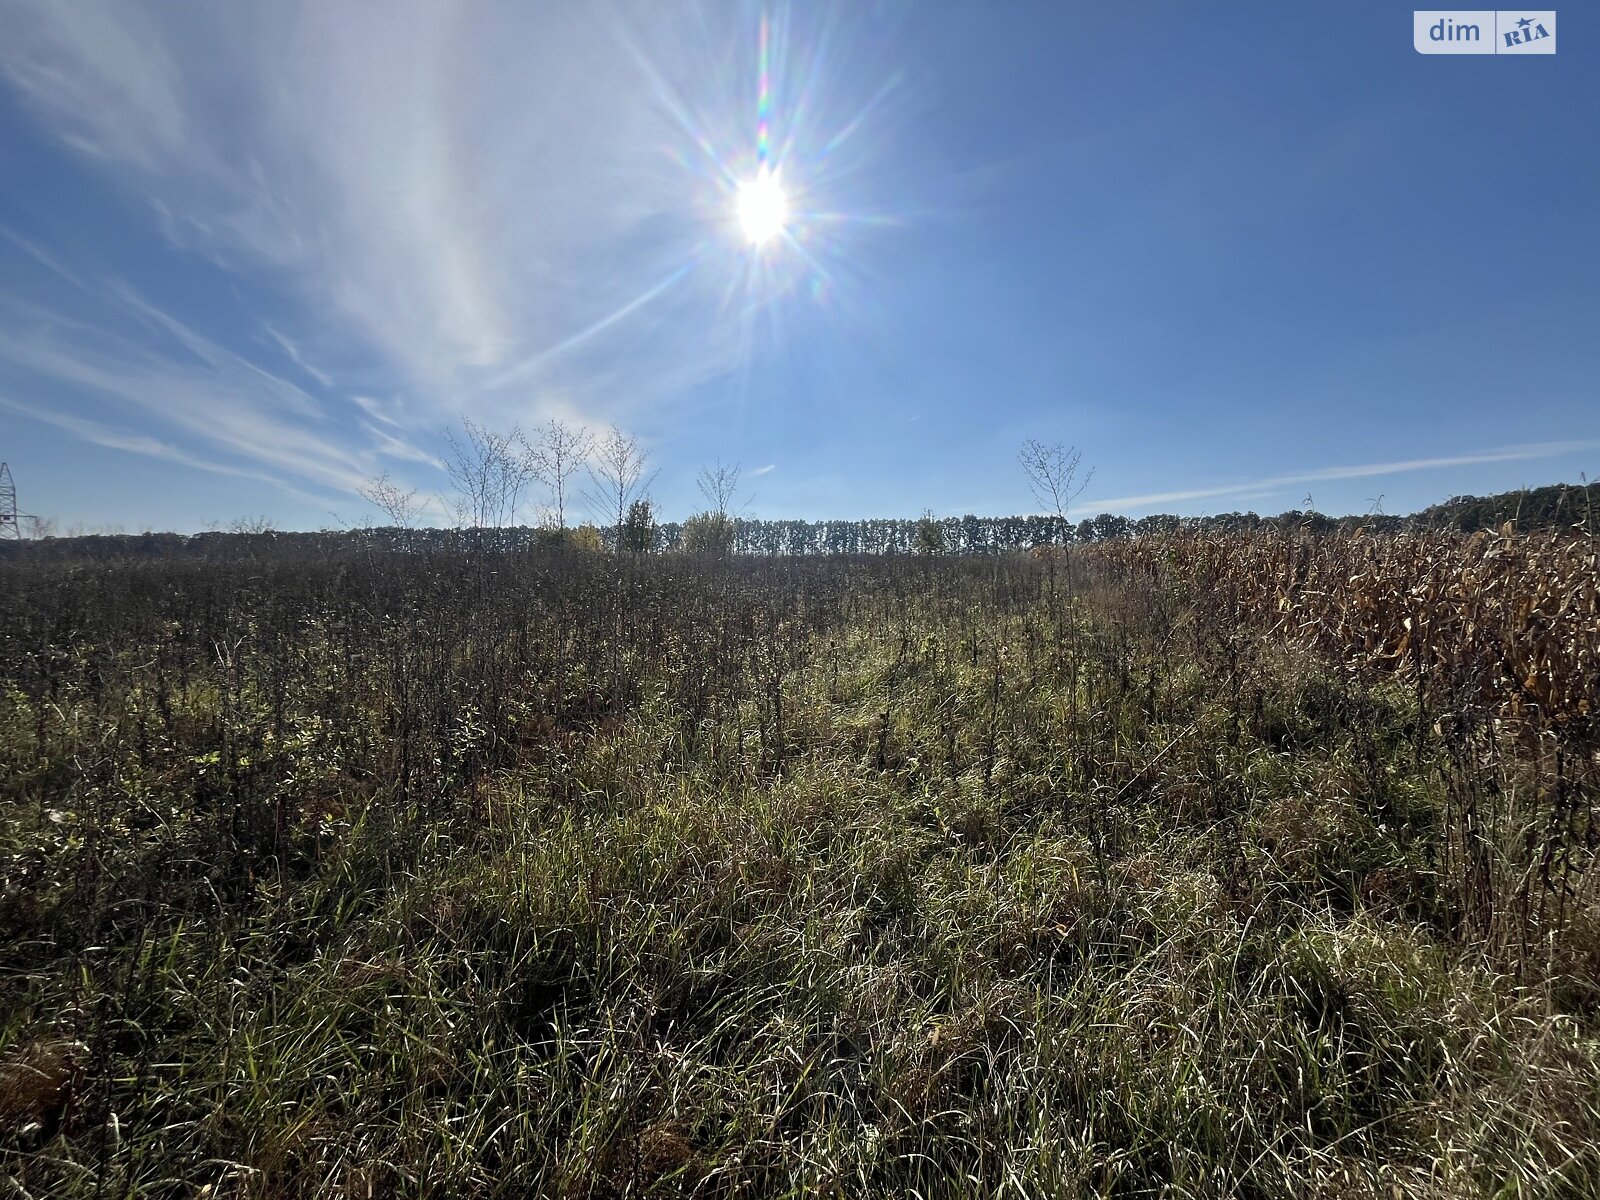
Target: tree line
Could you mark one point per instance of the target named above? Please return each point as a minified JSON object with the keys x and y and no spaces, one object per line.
{"x":494,"y":477}
{"x":966,"y":535}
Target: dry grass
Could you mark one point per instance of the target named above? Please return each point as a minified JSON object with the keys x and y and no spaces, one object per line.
{"x":539,"y":875}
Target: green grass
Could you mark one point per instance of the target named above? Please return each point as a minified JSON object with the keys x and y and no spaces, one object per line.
{"x":992,"y":909}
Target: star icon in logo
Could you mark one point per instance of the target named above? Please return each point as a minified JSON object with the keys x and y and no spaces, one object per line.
{"x":1525,"y":22}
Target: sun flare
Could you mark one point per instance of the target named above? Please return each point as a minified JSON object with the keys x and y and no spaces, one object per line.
{"x":762,"y":207}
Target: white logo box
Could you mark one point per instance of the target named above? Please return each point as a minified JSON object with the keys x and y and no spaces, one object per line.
{"x":1484,"y":31}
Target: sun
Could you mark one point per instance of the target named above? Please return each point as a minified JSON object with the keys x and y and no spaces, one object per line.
{"x":762,"y":207}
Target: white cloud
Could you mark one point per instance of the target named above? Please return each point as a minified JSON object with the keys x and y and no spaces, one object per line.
{"x":505,"y":211}
{"x":473,"y":195}
{"x":298,"y":357}
{"x":99,"y":434}
{"x":101,"y":74}
{"x":222,"y":409}
{"x":1266,"y":486}
{"x":397,"y":448}
{"x":208,"y":395}
{"x":759,"y":471}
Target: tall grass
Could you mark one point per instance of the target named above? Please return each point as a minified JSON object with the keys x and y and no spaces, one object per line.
{"x":559,"y":874}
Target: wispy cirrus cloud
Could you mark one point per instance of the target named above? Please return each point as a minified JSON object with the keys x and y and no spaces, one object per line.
{"x":491,"y":203}
{"x":210,"y":408}
{"x":298,"y":357}
{"x":140,"y":355}
{"x":100,"y":434}
{"x":420,"y":212}
{"x":1268,"y":485}
{"x":219,"y":405}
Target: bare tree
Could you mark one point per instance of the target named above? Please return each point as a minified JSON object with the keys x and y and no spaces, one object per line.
{"x":617,"y":477}
{"x":489,"y":471}
{"x":401,"y":507}
{"x":557,"y":454}
{"x":718,"y":484}
{"x":1053,"y":473}
{"x":1056,"y":475}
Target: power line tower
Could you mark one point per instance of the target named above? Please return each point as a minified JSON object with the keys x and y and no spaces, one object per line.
{"x":10,"y":527}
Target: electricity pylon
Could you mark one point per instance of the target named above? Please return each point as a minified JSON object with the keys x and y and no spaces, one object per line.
{"x":10,"y":527}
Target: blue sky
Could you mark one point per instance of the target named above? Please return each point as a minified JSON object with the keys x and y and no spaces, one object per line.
{"x":252,"y":255}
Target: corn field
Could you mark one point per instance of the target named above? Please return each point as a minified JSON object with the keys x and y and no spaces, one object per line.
{"x":1497,"y":636}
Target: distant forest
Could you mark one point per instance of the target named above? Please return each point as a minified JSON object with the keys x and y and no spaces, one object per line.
{"x":1574,"y":506}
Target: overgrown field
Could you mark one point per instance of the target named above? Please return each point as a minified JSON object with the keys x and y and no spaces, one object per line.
{"x":1150,"y":873}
